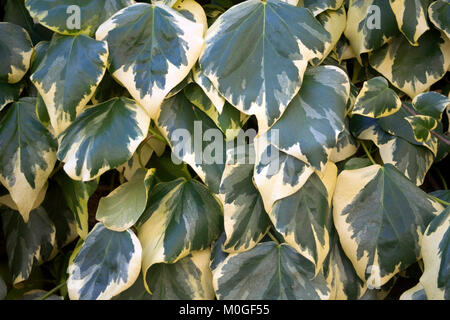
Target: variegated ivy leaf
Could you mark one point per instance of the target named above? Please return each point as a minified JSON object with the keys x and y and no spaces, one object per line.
{"x":439,"y":14}
{"x":7,"y":200}
{"x":376,"y":99}
{"x":73,"y":18}
{"x":346,"y":145}
{"x":141,"y":157}
{"x":108,"y":263}
{"x":28,"y":154}
{"x":412,"y":160}
{"x":27,"y":244}
{"x":415,"y":293}
{"x":334,"y":22}
{"x":121,"y":209}
{"x":183,"y":125}
{"x":341,"y":277}
{"x":319,"y":6}
{"x":343,"y":50}
{"x":77,"y":194}
{"x":394,"y":62}
{"x":68,"y":75}
{"x":270,"y":272}
{"x":370,"y":24}
{"x":193,"y":11}
{"x":216,"y":99}
{"x":262,"y":77}
{"x":422,"y":125}
{"x":16,"y":48}
{"x":9,"y":93}
{"x":229,"y":120}
{"x":277,"y":174}
{"x":85,"y":147}
{"x":411,"y":16}
{"x":303,"y":219}
{"x":436,"y":258}
{"x":160,"y":55}
{"x":431,"y":103}
{"x":183,"y":216}
{"x":310,"y":127}
{"x":188,"y":279}
{"x":246,"y":221}
{"x":380,"y":217}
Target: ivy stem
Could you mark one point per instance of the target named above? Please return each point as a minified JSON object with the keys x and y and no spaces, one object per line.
{"x":367,"y":152}
{"x":273,"y":237}
{"x":440,"y":137}
{"x":445,"y":203}
{"x":48,"y":294}
{"x":444,"y":183}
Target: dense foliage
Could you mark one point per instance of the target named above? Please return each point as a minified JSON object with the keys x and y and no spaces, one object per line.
{"x":259,"y":149}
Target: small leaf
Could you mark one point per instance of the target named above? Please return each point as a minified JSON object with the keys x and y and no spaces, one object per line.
{"x":439,"y":14}
{"x":422,"y":125}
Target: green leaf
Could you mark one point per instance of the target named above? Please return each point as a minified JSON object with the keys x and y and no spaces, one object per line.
{"x":117,"y":125}
{"x":319,"y":6}
{"x":9,"y":93}
{"x":60,"y":16}
{"x":27,"y":244}
{"x":262,"y":77}
{"x":380,"y":217}
{"x":162,"y":51}
{"x":376,"y":99}
{"x":183,"y":125}
{"x":16,"y":48}
{"x":28,"y":154}
{"x":268,"y":272}
{"x":77,"y":194}
{"x":121,"y":209}
{"x":422,"y":125}
{"x":68,"y":75}
{"x":183,"y":216}
{"x":394,"y":62}
{"x":187,"y":279}
{"x":246,"y":221}
{"x":432,"y":104}
{"x":310,"y":127}
{"x":211,"y":92}
{"x":370,"y":24}
{"x":411,"y":18}
{"x":439,"y":14}
{"x":346,"y":145}
{"x":436,"y":258}
{"x":108,"y":263}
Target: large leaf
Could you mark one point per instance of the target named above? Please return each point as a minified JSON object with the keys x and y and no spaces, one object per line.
{"x":108,"y":263}
{"x":68,"y":76}
{"x":61,"y":16}
{"x":103,"y":137}
{"x":28,"y":154}
{"x":380,"y":217}
{"x":159,"y":55}
{"x":77,"y":194}
{"x":436,"y":258}
{"x":411,"y":16}
{"x":394,"y":62}
{"x":439,"y":14}
{"x":303,"y":220}
{"x":376,"y":99}
{"x":121,"y":209}
{"x":185,"y":128}
{"x":188,"y":279}
{"x":16,"y":49}
{"x":309,"y":128}
{"x":183,"y":216}
{"x":246,"y":221}
{"x":370,"y":24}
{"x":270,"y":272}
{"x":27,"y":244}
{"x":262,"y":76}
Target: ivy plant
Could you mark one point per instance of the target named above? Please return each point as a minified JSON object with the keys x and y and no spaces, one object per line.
{"x":224,"y":149}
